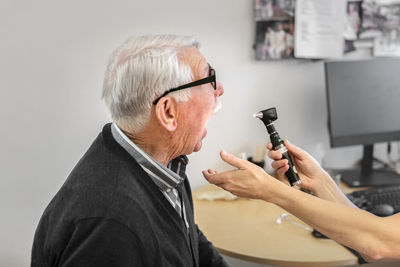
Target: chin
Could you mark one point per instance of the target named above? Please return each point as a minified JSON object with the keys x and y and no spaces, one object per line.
{"x":197,"y":147}
{"x":199,"y":143}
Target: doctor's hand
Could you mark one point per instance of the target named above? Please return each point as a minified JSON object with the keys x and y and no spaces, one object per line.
{"x":248,"y":180}
{"x":311,"y":174}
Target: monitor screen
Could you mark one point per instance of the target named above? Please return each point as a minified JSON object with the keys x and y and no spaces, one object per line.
{"x":363,"y":101}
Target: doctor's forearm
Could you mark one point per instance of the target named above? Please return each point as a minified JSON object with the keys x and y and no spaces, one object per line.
{"x":350,"y":226}
{"x":328,"y":190}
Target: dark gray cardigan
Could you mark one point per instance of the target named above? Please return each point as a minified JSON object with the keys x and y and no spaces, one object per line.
{"x":110,"y":213}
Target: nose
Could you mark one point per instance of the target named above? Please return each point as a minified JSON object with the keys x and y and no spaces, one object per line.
{"x":220,"y":90}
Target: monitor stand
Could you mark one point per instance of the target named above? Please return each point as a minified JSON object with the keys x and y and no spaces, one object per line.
{"x":368,"y":176}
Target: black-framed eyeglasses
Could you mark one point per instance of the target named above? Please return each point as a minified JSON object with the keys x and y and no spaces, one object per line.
{"x":210,"y":79}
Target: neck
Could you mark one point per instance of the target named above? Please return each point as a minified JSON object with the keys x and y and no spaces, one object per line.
{"x":156,"y":143}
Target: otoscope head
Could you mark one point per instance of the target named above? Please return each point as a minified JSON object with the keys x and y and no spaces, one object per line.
{"x":267,"y":116}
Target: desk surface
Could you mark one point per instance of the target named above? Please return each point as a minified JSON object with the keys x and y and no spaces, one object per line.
{"x":247,"y":229}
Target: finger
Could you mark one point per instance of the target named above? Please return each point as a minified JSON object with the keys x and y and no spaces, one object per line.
{"x":295,"y":150}
{"x":280,"y":175}
{"x":281,"y":171}
{"x":279,"y":164}
{"x":210,"y":171}
{"x":275,"y":155}
{"x":211,"y":178}
{"x":217,"y":178}
{"x":234,"y":161}
{"x":269,"y":146}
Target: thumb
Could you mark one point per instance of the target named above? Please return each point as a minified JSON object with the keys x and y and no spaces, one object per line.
{"x":232,"y":160}
{"x":295,"y":150}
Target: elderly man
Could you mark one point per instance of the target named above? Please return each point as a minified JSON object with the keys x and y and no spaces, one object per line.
{"x":128,"y":201}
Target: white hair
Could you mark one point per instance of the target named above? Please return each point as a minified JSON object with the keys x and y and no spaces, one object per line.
{"x":142,"y":69}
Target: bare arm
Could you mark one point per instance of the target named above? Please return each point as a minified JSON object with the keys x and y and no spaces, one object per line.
{"x":374,"y":237}
{"x":377,"y":238}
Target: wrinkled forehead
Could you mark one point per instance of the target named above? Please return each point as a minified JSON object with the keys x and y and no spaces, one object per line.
{"x":196,"y":61}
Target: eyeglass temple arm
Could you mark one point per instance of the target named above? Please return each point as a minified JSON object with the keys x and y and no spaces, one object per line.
{"x":193,"y":84}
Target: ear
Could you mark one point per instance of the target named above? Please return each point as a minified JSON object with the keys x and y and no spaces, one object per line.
{"x":166,"y":113}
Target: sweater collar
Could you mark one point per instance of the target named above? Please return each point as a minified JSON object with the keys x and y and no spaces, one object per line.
{"x":165,"y":177}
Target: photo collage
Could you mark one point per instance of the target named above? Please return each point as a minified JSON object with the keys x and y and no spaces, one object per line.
{"x":380,"y":26}
{"x":369,"y":24}
{"x":274,"y":29}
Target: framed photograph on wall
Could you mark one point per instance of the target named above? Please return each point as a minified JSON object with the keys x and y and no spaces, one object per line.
{"x":275,"y":40}
{"x":274,"y":29}
{"x":352,"y":24}
{"x":273,"y":9}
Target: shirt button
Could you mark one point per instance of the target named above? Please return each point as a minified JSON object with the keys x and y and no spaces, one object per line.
{"x":168,"y":190}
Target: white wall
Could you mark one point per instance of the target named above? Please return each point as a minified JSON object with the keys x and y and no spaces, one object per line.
{"x":52,"y":59}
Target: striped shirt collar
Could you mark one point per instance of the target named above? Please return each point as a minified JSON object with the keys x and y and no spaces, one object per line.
{"x":165,"y":178}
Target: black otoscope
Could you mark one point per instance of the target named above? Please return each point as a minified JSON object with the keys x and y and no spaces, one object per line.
{"x":268,"y":117}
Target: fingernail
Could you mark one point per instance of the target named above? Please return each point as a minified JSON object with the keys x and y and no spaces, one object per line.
{"x":223,"y":152}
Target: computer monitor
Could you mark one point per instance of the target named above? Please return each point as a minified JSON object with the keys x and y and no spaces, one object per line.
{"x":363,"y":100}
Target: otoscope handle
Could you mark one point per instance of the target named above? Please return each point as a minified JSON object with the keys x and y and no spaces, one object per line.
{"x":291,"y":174}
{"x":268,"y":116}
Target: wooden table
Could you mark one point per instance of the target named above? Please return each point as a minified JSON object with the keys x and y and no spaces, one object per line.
{"x":247,"y":229}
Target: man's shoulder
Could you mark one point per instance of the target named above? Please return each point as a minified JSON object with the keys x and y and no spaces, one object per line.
{"x":104,"y":165}
{"x":94,"y":199}
{"x":103,"y":178}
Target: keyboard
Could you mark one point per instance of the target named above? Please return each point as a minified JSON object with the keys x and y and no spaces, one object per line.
{"x":370,"y":198}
